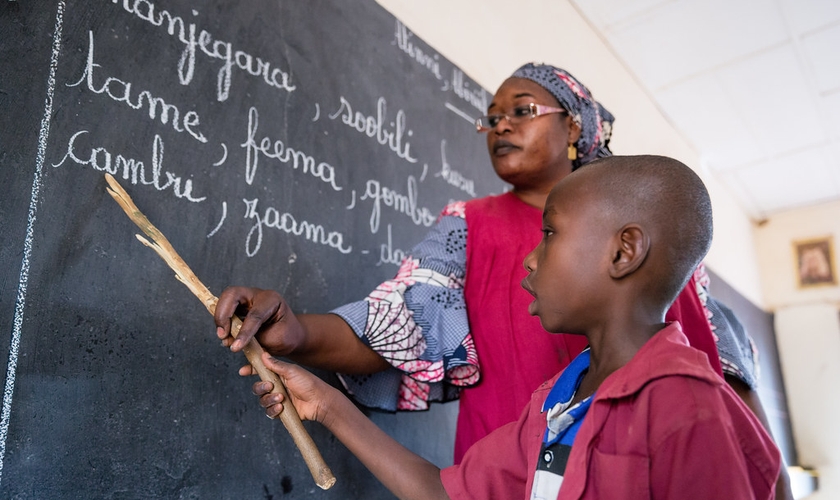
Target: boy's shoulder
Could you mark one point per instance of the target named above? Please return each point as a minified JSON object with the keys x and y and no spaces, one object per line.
{"x":674,"y":389}
{"x":678,"y":402}
{"x":667,"y":354}
{"x":674,"y":420}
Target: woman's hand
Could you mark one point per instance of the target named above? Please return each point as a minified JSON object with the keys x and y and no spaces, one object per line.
{"x":322,"y":341}
{"x":265,"y":315}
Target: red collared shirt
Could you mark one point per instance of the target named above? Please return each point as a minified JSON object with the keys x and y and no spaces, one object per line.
{"x":663,"y":426}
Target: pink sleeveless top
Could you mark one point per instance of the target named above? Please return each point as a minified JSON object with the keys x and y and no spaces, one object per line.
{"x":515,"y":353}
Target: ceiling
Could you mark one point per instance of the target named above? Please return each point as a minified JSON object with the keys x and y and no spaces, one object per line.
{"x":753,"y":85}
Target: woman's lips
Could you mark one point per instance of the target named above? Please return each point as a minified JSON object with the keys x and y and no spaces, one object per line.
{"x":503,"y":147}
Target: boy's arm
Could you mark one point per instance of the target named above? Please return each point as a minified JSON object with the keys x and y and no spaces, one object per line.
{"x":405,"y":474}
{"x":751,"y":399}
{"x":706,"y":459}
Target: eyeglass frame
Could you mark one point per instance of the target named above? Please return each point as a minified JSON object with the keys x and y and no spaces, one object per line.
{"x":535,"y":109}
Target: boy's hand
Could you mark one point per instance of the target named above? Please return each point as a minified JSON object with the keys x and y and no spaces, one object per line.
{"x":400,"y":470}
{"x":310,"y":395}
{"x":265,"y":314}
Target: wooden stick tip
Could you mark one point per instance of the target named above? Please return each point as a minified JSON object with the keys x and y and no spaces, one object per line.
{"x":144,"y":241}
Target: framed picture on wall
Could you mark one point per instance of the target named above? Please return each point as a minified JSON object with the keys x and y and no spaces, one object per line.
{"x":815,"y":262}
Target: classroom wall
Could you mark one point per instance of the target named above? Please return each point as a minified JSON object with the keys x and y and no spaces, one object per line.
{"x":808,"y":334}
{"x":776,"y":259}
{"x":489,"y":46}
{"x":808,"y":337}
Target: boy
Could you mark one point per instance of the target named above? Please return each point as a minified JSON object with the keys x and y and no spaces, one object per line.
{"x":639,"y":414}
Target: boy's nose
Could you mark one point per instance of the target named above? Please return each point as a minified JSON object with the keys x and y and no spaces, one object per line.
{"x":529,"y":262}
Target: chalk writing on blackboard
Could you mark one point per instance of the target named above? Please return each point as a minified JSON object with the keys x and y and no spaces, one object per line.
{"x":454,"y":177}
{"x":221,"y":221}
{"x":477,"y":97}
{"x":373,"y":126}
{"x":403,"y":36}
{"x":216,"y":49}
{"x":99,"y":158}
{"x":278,"y":151}
{"x":120,"y":91}
{"x":474,"y":95}
{"x":388,"y":254}
{"x":405,"y":204}
{"x":286,"y":222}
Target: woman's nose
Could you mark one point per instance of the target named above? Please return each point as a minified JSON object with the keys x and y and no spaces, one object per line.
{"x":503,"y":124}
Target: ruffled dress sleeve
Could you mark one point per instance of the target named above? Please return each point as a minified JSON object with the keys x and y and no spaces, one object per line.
{"x":417,"y":321}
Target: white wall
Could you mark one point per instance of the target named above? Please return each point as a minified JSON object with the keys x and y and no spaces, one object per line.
{"x":777,"y":260}
{"x":489,"y":39}
{"x":808,"y":337}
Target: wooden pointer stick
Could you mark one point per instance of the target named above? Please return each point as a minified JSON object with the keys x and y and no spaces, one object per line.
{"x":253,"y":351}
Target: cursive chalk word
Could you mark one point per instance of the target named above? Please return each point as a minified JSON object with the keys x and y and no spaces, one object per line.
{"x":278,"y":151}
{"x":374,"y":127}
{"x":216,"y":49}
{"x":120,"y":91}
{"x":402,"y":37}
{"x":287,"y":223}
{"x":404,"y":204}
{"x":454,"y":177}
{"x":390,"y":255}
{"x":130,"y":169}
{"x":476,"y":97}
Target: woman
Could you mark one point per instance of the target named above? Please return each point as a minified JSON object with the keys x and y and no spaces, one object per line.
{"x":456,"y":303}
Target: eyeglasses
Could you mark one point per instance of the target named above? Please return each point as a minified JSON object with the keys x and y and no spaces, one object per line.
{"x":519,"y":114}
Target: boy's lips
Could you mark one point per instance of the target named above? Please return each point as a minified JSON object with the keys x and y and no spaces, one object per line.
{"x":532,"y":306}
{"x":527,"y":287}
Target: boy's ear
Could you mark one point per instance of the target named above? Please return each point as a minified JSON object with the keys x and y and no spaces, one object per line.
{"x":632,"y":245}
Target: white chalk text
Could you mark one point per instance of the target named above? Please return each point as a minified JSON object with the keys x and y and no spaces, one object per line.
{"x":276,"y":150}
{"x":120,"y":91}
{"x":405,"y":204}
{"x":130,"y":169}
{"x":216,"y":49}
{"x":286,"y":222}
{"x":374,"y":127}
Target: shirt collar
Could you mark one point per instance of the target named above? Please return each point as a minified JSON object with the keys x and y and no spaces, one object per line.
{"x":667,"y":353}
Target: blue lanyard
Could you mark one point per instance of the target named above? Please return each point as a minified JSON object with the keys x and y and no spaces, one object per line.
{"x":563,"y":422}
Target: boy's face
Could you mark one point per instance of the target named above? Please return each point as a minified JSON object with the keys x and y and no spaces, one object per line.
{"x":568,"y":269}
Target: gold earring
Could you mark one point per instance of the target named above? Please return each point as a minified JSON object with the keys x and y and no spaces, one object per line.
{"x":572,"y":152}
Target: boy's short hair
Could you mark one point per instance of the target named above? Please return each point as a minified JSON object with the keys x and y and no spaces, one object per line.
{"x":668,"y":198}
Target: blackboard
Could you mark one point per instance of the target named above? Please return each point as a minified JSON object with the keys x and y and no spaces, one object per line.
{"x":303,"y":146}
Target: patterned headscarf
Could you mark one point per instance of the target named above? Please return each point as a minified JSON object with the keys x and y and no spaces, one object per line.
{"x":594,"y":120}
